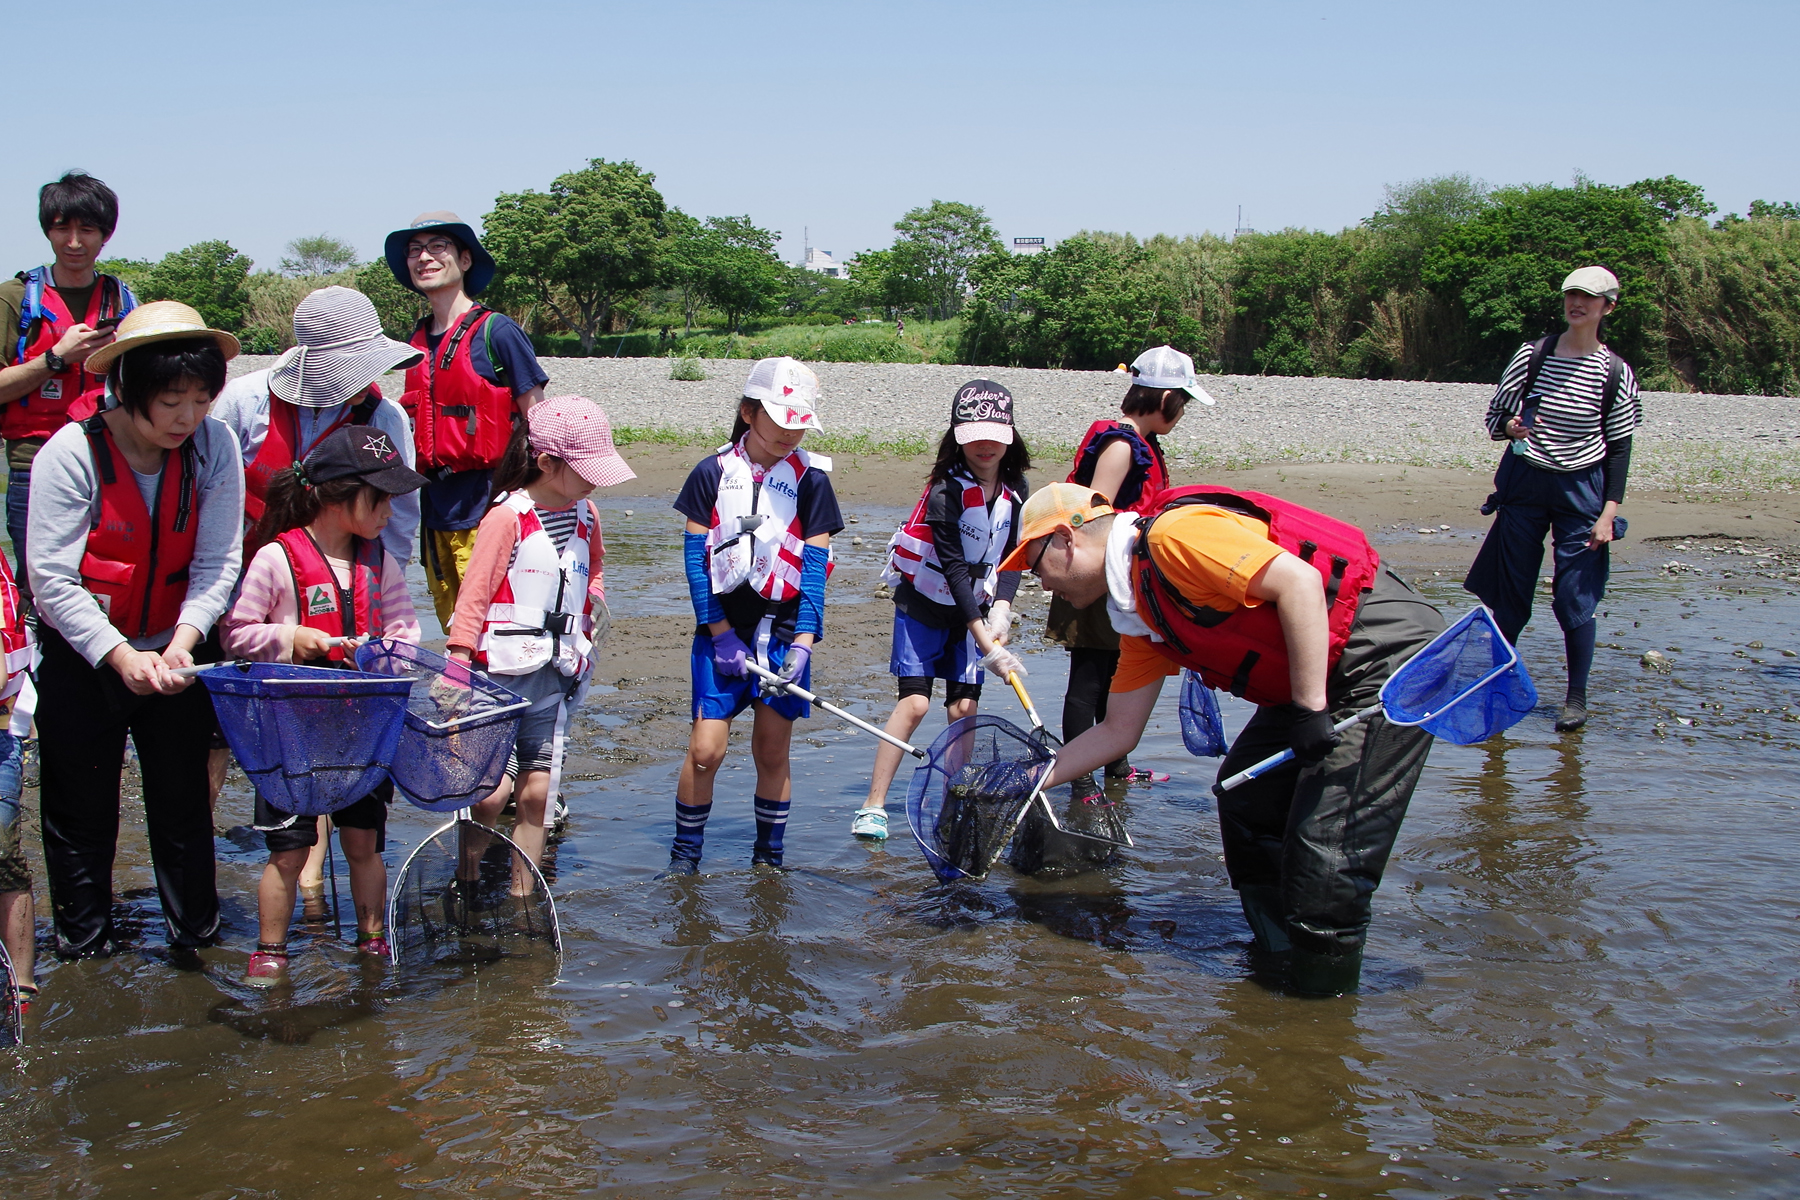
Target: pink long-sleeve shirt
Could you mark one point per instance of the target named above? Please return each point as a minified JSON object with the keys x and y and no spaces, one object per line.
{"x":496,"y":538}
{"x":260,"y":626}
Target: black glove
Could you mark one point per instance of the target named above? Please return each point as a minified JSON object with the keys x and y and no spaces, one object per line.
{"x":1311,"y":735}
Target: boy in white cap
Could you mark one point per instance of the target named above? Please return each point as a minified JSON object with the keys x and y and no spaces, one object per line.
{"x":760,"y":515}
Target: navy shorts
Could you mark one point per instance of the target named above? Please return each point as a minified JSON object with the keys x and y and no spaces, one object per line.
{"x":283,"y":831}
{"x":947,"y":654}
{"x":720,"y":698}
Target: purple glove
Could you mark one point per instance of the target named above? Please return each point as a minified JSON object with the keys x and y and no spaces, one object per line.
{"x":795,"y":666}
{"x":729,"y":653}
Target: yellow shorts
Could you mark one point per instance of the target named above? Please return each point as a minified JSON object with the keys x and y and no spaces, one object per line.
{"x":446,"y":557}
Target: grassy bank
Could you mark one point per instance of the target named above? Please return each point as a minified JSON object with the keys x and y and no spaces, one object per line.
{"x":923,"y":342}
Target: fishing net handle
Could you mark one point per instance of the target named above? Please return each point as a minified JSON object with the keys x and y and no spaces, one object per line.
{"x":1276,"y":760}
{"x":191,"y":672}
{"x":794,"y":689}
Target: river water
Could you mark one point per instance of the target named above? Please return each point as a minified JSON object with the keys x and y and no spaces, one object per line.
{"x":1581,"y":980}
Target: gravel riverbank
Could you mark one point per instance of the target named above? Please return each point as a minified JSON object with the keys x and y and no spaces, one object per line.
{"x":1689,"y":441}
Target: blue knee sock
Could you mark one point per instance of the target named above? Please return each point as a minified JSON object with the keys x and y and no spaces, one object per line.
{"x":1578,"y":644}
{"x":771,"y":824}
{"x":690,"y":830}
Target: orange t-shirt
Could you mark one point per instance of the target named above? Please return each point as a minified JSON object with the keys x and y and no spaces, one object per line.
{"x":1209,"y":555}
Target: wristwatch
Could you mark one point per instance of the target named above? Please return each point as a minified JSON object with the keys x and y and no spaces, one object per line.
{"x":55,"y":362}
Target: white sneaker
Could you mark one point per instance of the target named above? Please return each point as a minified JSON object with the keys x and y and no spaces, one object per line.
{"x":870,"y":823}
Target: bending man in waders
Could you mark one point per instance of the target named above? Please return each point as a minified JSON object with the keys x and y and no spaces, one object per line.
{"x":1291,"y":610}
{"x":478,"y":375}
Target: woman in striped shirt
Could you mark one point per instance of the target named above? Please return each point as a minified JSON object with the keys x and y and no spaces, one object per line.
{"x":1569,"y":406}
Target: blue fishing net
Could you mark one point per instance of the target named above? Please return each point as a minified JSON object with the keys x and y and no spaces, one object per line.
{"x":459,"y":726}
{"x":1202,"y":729}
{"x":311,"y":739}
{"x":968,"y":796}
{"x":1465,"y":686}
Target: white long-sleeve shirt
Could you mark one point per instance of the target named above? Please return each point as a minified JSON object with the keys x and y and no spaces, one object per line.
{"x":244,"y":408}
{"x":65,"y":506}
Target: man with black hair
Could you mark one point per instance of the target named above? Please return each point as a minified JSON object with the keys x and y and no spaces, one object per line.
{"x":52,"y":318}
{"x":479,"y":375}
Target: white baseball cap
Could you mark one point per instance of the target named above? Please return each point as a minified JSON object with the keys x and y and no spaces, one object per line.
{"x":1167,"y":367}
{"x":1595,"y":281}
{"x":789,"y":392}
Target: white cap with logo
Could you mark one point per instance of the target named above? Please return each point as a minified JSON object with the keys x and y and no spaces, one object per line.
{"x":789,"y":392}
{"x":1595,"y":281}
{"x":1167,"y":367}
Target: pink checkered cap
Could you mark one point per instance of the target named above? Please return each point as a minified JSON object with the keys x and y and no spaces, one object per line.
{"x":576,"y":430}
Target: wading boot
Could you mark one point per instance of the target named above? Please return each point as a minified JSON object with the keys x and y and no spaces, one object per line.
{"x":678,"y":868}
{"x":1263,"y":912}
{"x":1313,"y":974}
{"x":1574,"y":713}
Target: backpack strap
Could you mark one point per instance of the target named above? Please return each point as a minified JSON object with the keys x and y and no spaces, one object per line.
{"x":1609,"y":395}
{"x":1540,"y":351}
{"x":363,"y":412}
{"x":487,"y":344}
{"x":31,"y":311}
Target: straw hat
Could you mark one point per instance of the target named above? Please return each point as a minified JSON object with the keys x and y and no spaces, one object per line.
{"x":341,"y":350}
{"x":158,"y":321}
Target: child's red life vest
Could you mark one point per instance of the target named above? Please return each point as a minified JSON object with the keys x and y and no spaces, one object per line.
{"x":460,"y":421}
{"x":281,"y":449}
{"x":15,"y":634}
{"x":1156,"y":475}
{"x":1244,"y":650}
{"x":321,"y":602}
{"x":136,"y":565}
{"x":73,"y":393}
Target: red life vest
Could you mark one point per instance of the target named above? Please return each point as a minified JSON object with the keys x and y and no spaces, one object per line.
{"x":1155,"y":477}
{"x":1244,"y":650}
{"x":137,"y":561}
{"x":321,"y":601}
{"x":71,"y":394}
{"x":460,"y":420}
{"x":281,"y":449}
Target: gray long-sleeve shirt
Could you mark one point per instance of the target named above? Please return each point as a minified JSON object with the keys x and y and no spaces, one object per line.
{"x":65,"y":507}
{"x":244,"y":407}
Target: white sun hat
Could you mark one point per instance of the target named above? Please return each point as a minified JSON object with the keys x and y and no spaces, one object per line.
{"x":789,"y":392}
{"x":1167,"y":367}
{"x":341,"y":350}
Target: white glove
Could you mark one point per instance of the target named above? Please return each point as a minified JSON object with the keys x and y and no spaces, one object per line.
{"x":1003,"y":662}
{"x":999,"y":622}
{"x":602,"y":623}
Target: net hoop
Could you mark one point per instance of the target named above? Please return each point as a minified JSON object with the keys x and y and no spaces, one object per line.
{"x":398,"y":937}
{"x":932,"y":776}
{"x":1511,"y":664}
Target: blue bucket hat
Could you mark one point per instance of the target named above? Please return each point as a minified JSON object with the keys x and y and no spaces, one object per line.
{"x":481,"y":268}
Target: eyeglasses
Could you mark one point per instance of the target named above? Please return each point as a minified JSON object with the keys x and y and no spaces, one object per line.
{"x":439,"y":248}
{"x":1039,"y":557}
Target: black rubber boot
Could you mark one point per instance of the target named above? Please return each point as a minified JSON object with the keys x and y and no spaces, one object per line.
{"x":1263,"y":911}
{"x":1574,"y":713}
{"x":1314,"y":974}
{"x":678,"y":868}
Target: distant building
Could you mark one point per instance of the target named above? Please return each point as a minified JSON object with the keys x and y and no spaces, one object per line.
{"x":822,"y":262}
{"x":1029,"y":246}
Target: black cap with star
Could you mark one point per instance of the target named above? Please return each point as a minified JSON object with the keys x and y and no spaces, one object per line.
{"x":365,"y":453}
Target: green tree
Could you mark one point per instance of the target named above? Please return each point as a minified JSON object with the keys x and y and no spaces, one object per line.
{"x":1730,"y":300}
{"x":1674,"y":197}
{"x":813,"y":293}
{"x":320,"y":254}
{"x":745,"y":277}
{"x":936,"y":247}
{"x":399,"y":307}
{"x":210,"y":277}
{"x":685,"y":264}
{"x":879,"y":280}
{"x":1411,"y":220}
{"x":1296,"y":299}
{"x":1506,"y":265}
{"x":134,"y":271}
{"x":1094,"y":301}
{"x":1787,"y":210}
{"x":580,"y":249}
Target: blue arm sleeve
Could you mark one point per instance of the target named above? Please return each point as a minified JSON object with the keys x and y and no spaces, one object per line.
{"x":812,"y":590}
{"x":707,"y":608}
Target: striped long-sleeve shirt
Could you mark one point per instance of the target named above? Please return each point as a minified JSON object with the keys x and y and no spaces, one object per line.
{"x":1563,"y":409}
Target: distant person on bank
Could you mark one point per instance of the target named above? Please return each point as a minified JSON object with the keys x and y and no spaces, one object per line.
{"x":478,"y":376}
{"x":52,"y":318}
{"x":1291,"y":610}
{"x":1569,"y":407}
{"x":135,"y":548}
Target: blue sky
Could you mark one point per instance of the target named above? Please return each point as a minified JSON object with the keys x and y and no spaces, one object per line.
{"x":258,"y":123}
